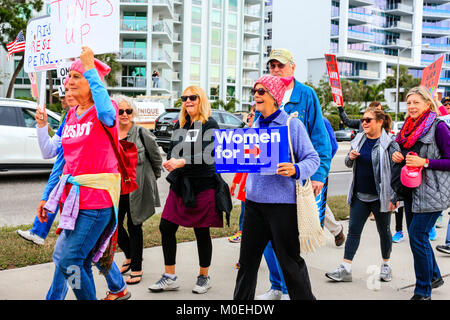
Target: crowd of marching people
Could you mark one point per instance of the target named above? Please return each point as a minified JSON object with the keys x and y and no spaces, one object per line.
{"x":107,"y":168}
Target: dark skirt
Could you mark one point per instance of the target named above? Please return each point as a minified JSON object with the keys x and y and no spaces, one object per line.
{"x":203,"y":215}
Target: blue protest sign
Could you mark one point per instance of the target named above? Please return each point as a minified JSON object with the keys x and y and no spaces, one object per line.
{"x":251,"y":149}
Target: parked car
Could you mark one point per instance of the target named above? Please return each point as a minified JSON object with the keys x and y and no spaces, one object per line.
{"x":18,"y":139}
{"x":396,"y":127}
{"x":165,"y":123}
{"x":345,"y":134}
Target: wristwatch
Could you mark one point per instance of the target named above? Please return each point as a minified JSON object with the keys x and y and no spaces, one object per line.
{"x":427,"y":162}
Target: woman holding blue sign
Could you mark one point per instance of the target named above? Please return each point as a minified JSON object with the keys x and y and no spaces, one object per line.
{"x":270,"y":205}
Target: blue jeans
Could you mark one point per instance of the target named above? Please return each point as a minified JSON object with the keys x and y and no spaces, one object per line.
{"x":241,"y":217}
{"x":425,"y":265}
{"x":73,"y":258}
{"x":42,"y":229}
{"x":275,"y":273}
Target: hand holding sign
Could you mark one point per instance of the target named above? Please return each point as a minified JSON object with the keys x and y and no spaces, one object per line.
{"x":41,"y":117}
{"x":286,"y":169}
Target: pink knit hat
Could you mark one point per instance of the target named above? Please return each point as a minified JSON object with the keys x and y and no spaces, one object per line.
{"x":102,"y":68}
{"x":275,"y":85}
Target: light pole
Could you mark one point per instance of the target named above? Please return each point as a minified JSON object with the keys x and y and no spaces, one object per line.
{"x":397,"y":108}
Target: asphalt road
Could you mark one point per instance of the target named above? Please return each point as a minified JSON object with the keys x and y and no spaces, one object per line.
{"x":20,"y":192}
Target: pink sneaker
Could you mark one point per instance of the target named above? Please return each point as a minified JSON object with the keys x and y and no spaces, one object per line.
{"x":411,"y":177}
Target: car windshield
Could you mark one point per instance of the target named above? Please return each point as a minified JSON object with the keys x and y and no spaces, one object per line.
{"x":169,"y":115}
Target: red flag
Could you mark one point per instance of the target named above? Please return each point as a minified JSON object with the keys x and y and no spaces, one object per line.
{"x":17,"y":45}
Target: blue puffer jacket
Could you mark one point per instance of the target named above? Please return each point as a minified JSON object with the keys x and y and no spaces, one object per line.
{"x":304,"y":100}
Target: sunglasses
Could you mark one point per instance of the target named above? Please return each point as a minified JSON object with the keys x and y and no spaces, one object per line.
{"x":260,"y":91}
{"x":128,"y":111}
{"x":274,"y":65}
{"x":192,"y":98}
{"x":368,"y":120}
{"x":446,"y":104}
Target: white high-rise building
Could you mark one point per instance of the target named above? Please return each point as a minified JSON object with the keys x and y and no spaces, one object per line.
{"x":216,"y":44}
{"x":367,"y":36}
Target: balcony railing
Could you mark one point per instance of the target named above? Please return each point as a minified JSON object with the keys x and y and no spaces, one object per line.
{"x":160,"y":83}
{"x":401,"y":25}
{"x":252,"y":11}
{"x":133,"y":53}
{"x":162,"y":2}
{"x":359,"y":15}
{"x":250,"y":64}
{"x":400,"y":7}
{"x":361,"y":35}
{"x":399,"y":43}
{"x":162,"y":26}
{"x":133,"y":25}
{"x":251,"y":29}
{"x":249,"y":47}
{"x":436,"y":29}
{"x":134,"y":82}
{"x":161,"y":56}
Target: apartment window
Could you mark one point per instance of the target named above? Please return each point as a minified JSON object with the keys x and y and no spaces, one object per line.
{"x":133,"y":76}
{"x":196,"y":15}
{"x":216,"y":18}
{"x":217,"y":4}
{"x":231,"y":57}
{"x":232,"y":39}
{"x":195,"y":53}
{"x":269,"y":17}
{"x":134,"y":49}
{"x":232,"y":21}
{"x":214,"y":92}
{"x":215,"y":74}
{"x":196,"y":34}
{"x":134,"y":21}
{"x":232,"y":5}
{"x":231,"y":91}
{"x":231,"y":74}
{"x":216,"y":36}
{"x":199,"y":2}
{"x":195,"y":71}
{"x":215,"y":55}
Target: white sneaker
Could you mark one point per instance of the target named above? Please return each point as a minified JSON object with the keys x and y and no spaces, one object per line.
{"x":165,"y":284}
{"x":270,"y":295}
{"x":285,"y":297}
{"x":202,"y":285}
{"x":30,"y":236}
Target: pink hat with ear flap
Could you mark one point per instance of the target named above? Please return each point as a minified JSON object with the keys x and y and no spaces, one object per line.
{"x":275,"y":85}
{"x":102,"y":68}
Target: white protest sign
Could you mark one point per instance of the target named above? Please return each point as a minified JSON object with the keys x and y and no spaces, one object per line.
{"x":40,"y":45}
{"x":78,"y":23}
{"x":62,"y":70}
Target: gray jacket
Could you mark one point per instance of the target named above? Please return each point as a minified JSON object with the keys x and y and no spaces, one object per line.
{"x":144,"y":200}
{"x":382,"y":164}
{"x":433,"y":194}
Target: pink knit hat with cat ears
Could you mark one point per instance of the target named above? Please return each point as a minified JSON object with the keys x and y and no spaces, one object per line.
{"x":276,"y":86}
{"x":102,"y":68}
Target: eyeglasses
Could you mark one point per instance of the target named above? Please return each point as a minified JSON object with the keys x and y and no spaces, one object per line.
{"x":368,"y":120}
{"x":274,"y":65}
{"x":446,"y":104}
{"x":192,"y":98}
{"x":128,"y":111}
{"x":260,"y":91}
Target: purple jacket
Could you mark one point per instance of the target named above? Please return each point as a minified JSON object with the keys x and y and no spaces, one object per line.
{"x":443,"y":142}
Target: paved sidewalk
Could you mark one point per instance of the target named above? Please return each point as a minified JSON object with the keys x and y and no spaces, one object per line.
{"x":32,"y":283}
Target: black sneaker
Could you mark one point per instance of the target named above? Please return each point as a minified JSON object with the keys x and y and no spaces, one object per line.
{"x":437,"y":283}
{"x":443,"y":248}
{"x":418,"y":297}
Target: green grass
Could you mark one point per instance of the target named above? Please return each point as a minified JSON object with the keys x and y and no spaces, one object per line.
{"x":17,"y":253}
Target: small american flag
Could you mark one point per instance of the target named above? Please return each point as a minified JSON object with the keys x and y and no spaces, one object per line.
{"x":17,"y":45}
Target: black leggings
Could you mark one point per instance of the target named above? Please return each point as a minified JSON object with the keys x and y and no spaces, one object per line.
{"x":131,"y":242}
{"x":399,"y":219}
{"x":169,"y":243}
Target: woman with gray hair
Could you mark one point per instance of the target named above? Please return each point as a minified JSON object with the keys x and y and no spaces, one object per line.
{"x":139,"y":205}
